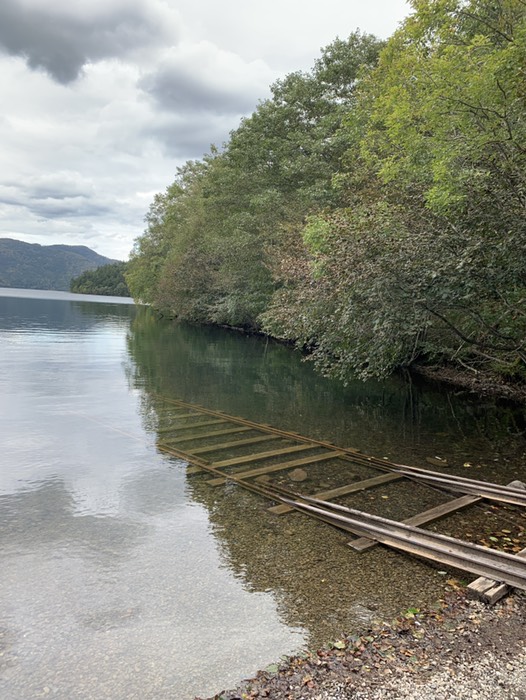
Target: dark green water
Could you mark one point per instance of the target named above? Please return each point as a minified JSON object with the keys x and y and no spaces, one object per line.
{"x":269,"y":382}
{"x":121,"y":577}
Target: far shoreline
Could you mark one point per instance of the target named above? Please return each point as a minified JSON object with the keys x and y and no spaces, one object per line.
{"x":62,"y":295}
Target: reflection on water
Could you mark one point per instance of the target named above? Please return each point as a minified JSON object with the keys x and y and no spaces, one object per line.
{"x":320,"y":584}
{"x":112,"y":584}
{"x":266,"y":382}
{"x":120,"y":576}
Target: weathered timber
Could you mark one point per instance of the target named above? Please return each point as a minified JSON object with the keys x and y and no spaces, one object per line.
{"x":264,"y":427}
{"x":427,"y":516}
{"x":487,"y":589}
{"x":251,"y":457}
{"x":181,"y":454}
{"x":439,"y":548}
{"x":170,"y":410}
{"x":343,"y":491}
{"x":257,"y":456}
{"x":193,"y":470}
{"x":443,"y":549}
{"x":202,"y":436}
{"x":275,"y":468}
{"x":178,"y":416}
{"x":454,"y":483}
{"x":198,"y":424}
{"x":234,"y":443}
{"x":172,"y":427}
{"x":490,"y":590}
{"x":494,"y":492}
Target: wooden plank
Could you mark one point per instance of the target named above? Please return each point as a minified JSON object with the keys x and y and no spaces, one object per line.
{"x":234,"y":443}
{"x":194,"y":470}
{"x":191,"y":414}
{"x":262,"y":455}
{"x":444,"y":549}
{"x":183,"y":415}
{"x":489,"y":590}
{"x":230,"y":431}
{"x":427,"y":516}
{"x":278,"y":467}
{"x":343,"y":490}
{"x":199,"y":424}
{"x":266,"y":428}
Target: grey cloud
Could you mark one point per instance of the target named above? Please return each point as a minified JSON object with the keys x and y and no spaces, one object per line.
{"x":51,"y":208}
{"x":44,"y":202}
{"x":184,"y":139}
{"x":55,"y":185}
{"x":182,"y":89}
{"x":61,"y":42}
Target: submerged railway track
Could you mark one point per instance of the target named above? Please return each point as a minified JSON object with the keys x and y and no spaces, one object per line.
{"x":200,"y":436}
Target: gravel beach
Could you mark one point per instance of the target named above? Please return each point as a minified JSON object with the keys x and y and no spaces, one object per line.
{"x":458,"y":648}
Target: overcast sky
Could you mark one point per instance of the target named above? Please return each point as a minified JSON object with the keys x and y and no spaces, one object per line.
{"x":103,"y":99}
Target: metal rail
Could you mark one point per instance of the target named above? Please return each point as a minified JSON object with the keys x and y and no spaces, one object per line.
{"x":499,"y":566}
{"x":450,"y":482}
{"x":478,"y":560}
{"x":449,"y":551}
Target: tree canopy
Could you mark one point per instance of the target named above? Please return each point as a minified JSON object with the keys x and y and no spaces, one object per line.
{"x":371,"y":210}
{"x":107,"y":280}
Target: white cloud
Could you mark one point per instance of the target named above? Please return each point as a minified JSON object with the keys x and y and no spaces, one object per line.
{"x":201,"y":77}
{"x":103,"y":99}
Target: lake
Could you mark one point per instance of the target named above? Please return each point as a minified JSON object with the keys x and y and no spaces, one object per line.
{"x":123,"y":577}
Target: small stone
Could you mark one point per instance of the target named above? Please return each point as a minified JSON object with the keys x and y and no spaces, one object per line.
{"x":298,"y":475}
{"x":437,"y":461}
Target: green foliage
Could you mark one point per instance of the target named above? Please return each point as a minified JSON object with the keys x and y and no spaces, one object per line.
{"x":107,"y":280}
{"x":373,"y":209}
{"x":426,"y":261}
{"x":315,"y":234}
{"x":213,"y":239}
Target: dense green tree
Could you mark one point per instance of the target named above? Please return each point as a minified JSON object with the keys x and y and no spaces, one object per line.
{"x":427,"y":259}
{"x":107,"y":280}
{"x":208,"y":249}
{"x":372,"y":209}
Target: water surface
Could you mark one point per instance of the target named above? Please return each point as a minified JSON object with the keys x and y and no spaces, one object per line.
{"x":112,"y":585}
{"x":122,"y":577}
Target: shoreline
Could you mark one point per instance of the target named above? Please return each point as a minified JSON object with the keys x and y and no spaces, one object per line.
{"x":458,"y":648}
{"x":483,"y":385}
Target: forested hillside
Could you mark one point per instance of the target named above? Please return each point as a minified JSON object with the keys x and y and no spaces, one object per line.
{"x":34,"y":266}
{"x":372,"y":210}
{"x":107,"y":280}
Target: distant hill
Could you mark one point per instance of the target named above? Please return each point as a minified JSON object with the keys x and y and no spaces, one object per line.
{"x":34,"y":266}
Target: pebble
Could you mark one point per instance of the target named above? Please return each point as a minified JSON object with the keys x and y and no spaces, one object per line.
{"x":298,"y":475}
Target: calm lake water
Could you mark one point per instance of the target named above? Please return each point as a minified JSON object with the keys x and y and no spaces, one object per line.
{"x":120,"y":576}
